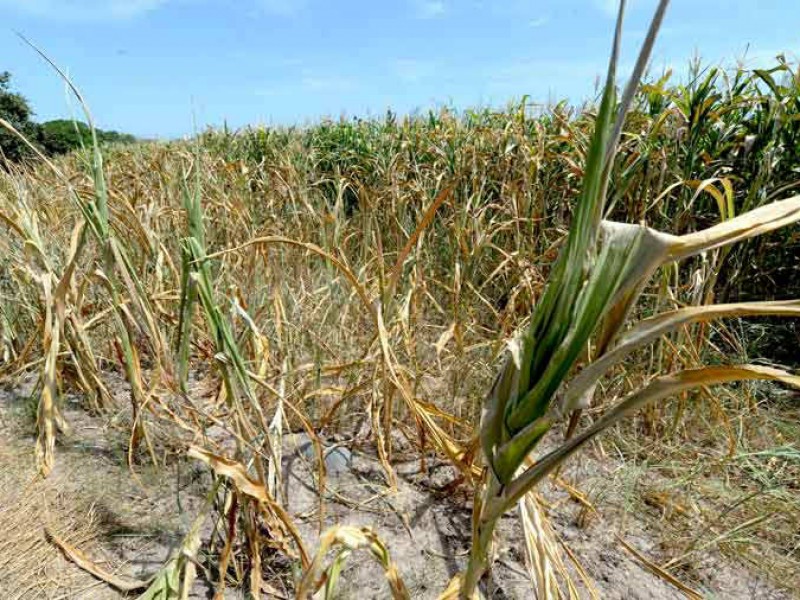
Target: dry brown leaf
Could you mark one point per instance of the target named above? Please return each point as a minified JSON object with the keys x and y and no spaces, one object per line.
{"x":85,"y":563}
{"x":236,"y":472}
{"x":659,"y":572}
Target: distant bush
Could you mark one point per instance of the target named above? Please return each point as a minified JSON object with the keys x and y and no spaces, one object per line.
{"x":52,"y":137}
{"x":14,"y":109}
{"x":62,"y":136}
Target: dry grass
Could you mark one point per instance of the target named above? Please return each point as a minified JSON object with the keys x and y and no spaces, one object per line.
{"x":30,"y":566}
{"x":737,"y":498}
{"x":361,"y":279}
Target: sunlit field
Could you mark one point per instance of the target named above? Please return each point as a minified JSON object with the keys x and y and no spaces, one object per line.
{"x":274,"y":362}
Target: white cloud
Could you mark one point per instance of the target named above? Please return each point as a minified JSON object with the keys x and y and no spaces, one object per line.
{"x":539,"y":21}
{"x":429,"y":9}
{"x":564,"y":77}
{"x":121,"y":10}
{"x":83,"y":10}
{"x":610,"y":7}
{"x":327,"y":83}
{"x":411,"y":70}
{"x":283,"y":8}
{"x":307,"y":80}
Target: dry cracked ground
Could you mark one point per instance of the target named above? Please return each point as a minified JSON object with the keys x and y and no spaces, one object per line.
{"x":130,"y":525}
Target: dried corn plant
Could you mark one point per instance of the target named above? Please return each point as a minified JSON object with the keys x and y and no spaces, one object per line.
{"x":595,"y":283}
{"x":359,"y":278}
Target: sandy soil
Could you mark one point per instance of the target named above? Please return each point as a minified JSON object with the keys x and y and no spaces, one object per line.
{"x":131,"y":525}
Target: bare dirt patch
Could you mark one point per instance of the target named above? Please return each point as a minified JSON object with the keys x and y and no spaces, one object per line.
{"x":131,"y":525}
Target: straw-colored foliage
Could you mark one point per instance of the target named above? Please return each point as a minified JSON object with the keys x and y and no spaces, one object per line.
{"x":366,"y":278}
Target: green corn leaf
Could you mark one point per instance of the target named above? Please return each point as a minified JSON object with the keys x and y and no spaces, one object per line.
{"x":651,"y":329}
{"x":658,"y":389}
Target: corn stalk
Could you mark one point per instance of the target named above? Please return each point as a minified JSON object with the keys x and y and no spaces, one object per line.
{"x":117,"y":273}
{"x":596,"y":281}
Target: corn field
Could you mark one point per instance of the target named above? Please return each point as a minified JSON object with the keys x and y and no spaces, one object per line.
{"x":365,"y":279}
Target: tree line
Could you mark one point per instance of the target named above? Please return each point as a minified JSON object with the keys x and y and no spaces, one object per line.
{"x":51,"y":137}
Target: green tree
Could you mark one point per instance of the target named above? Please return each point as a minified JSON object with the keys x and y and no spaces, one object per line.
{"x":62,"y":135}
{"x":15,"y":109}
{"x":52,"y":137}
{"x":115,"y":137}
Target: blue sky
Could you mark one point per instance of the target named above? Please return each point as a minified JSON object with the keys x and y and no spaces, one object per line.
{"x":148,"y":66}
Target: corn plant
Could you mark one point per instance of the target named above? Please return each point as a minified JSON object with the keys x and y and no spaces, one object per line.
{"x":597,"y":279}
{"x":468,"y":207}
{"x":348,"y":539}
{"x":117,"y":273}
{"x":252,"y":430}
